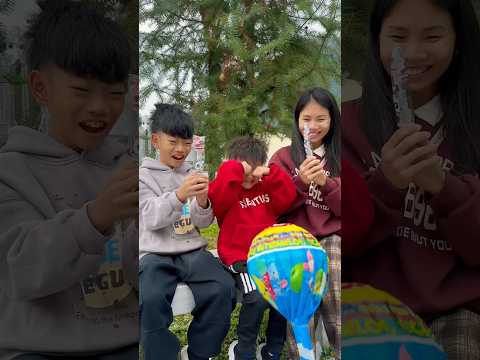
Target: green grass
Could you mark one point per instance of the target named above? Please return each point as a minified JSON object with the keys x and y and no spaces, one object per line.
{"x":211,"y":234}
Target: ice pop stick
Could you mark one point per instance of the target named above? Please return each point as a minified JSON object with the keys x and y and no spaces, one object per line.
{"x":306,"y":140}
{"x":399,"y":88}
{"x":199,"y":148}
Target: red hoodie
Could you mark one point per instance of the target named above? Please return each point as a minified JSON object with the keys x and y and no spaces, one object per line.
{"x":357,"y":210}
{"x":316,"y":209}
{"x":242,"y":213}
{"x":422,"y":248}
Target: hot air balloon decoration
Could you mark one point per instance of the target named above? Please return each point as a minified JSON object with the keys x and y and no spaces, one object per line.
{"x":290,"y":269}
{"x":377,"y":326}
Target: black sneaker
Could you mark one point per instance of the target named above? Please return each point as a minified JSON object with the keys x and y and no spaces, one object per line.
{"x":266,"y":355}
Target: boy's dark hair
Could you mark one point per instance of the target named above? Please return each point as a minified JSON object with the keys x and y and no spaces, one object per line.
{"x":249,"y":149}
{"x":79,"y":39}
{"x":171,"y":120}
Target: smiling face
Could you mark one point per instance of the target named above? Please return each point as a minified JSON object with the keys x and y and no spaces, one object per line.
{"x":427,"y":36}
{"x":318,"y":119}
{"x":82,"y":111}
{"x":173,"y":150}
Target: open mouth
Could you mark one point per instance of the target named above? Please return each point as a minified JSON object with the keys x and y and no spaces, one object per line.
{"x":93,"y":127}
{"x":178,"y":157}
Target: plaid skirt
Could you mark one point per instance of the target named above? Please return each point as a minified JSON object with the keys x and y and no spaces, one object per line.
{"x":459,"y":334}
{"x":329,"y":313}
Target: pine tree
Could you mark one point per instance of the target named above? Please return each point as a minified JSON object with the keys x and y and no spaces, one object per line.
{"x":238,"y":65}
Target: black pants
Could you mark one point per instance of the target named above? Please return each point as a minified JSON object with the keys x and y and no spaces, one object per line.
{"x":250,"y":320}
{"x":128,"y":353}
{"x":214,"y":293}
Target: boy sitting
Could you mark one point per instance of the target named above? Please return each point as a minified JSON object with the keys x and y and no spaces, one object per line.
{"x":248,"y":197}
{"x":173,"y":203}
{"x":68,"y":243}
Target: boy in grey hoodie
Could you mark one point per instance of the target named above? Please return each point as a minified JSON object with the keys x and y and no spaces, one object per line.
{"x":173,"y":205}
{"x":68,"y":242}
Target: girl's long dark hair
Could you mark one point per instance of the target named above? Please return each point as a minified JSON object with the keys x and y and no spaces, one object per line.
{"x":459,"y":87}
{"x":331,"y":140}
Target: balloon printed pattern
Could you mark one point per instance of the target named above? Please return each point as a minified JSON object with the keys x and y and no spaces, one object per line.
{"x":290,"y":269}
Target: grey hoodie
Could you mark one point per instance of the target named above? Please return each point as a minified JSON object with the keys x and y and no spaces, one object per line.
{"x":64,"y":287}
{"x":160,"y":211}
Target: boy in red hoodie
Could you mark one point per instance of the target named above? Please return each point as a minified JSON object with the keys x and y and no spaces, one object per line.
{"x":247,"y":197}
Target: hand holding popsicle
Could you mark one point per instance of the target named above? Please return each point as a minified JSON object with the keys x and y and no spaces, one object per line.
{"x":432,"y":177}
{"x":202,"y":197}
{"x":406,"y":154}
{"x":321,"y":179}
{"x":118,"y":200}
{"x":310,"y":170}
{"x":194,"y":185}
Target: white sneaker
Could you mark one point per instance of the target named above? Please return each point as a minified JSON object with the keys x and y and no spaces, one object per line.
{"x":259,"y":350}
{"x":231,"y":353}
{"x":184,"y":354}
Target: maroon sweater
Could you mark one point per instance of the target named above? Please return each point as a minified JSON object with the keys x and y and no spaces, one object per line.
{"x":421,"y":248}
{"x":316,"y":209}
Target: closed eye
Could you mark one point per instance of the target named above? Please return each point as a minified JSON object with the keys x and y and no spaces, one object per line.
{"x":78,"y":88}
{"x":398,"y":37}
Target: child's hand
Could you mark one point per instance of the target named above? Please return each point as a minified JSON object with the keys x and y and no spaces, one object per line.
{"x":260,"y":171}
{"x":310,"y":170}
{"x":119,"y":199}
{"x":247,"y":168}
{"x":194,"y":185}
{"x":202,"y":196}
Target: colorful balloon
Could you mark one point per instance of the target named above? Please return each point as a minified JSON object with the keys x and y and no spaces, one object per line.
{"x":290,"y":268}
{"x":377,"y":326}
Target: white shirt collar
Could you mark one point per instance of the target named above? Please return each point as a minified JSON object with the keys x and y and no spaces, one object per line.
{"x":430,"y":112}
{"x":320,"y":151}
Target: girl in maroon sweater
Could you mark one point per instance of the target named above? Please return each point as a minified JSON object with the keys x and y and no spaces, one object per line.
{"x":423,"y":246}
{"x":317,"y":207}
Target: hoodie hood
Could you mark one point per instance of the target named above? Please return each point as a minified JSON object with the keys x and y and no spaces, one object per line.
{"x":154,"y":164}
{"x":22,"y":139}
